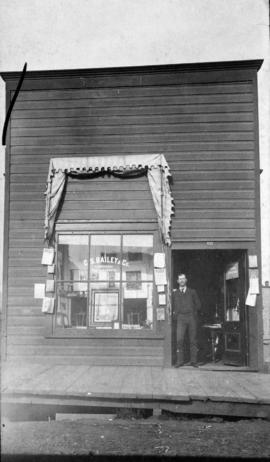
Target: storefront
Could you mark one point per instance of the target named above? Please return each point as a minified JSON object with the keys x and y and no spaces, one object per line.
{"x":147,"y":172}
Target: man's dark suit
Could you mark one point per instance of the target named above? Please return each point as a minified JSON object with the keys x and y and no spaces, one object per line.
{"x":185,"y":308}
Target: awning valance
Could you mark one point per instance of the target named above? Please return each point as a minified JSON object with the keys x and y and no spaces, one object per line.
{"x":158,"y":174}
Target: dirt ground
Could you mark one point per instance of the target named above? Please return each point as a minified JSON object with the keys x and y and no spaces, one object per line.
{"x":153,"y":436}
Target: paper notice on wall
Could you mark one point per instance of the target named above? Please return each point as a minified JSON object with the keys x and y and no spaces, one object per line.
{"x":160,"y":276}
{"x":39,"y":291}
{"x":47,"y":256}
{"x":161,"y":288}
{"x":48,"y":305}
{"x":254,"y":286}
{"x":50,"y":285}
{"x":254,"y":281}
{"x":252,"y":261}
{"x":160,"y":314}
{"x":251,"y":299}
{"x":162,"y":299}
{"x":51,"y":269}
{"x":159,"y":260}
{"x":232,"y":271}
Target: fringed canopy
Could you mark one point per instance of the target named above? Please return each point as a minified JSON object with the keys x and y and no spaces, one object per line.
{"x":154,"y":165}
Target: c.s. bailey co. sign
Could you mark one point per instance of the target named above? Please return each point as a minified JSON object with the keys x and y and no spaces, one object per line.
{"x":109,"y":260}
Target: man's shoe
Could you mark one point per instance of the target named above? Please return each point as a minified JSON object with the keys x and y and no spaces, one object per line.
{"x":179,"y":365}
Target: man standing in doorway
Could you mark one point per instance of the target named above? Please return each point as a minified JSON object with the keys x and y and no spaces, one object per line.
{"x":186,"y":305}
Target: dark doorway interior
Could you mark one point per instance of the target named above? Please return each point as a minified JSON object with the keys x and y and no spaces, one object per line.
{"x":206,"y":272}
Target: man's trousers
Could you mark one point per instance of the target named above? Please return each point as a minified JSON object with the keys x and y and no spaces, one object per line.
{"x":186,"y":322}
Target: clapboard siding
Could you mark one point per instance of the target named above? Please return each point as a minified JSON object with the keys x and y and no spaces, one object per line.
{"x":203,"y":121}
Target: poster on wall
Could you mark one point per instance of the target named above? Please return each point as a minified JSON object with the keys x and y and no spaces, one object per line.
{"x":47,"y":256}
{"x":48,"y":305}
{"x":160,"y":276}
{"x":39,"y":290}
{"x":159,"y":260}
{"x":232,"y":271}
{"x":160,"y":314}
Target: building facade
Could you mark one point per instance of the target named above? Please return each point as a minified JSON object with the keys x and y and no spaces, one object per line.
{"x":111,"y":149}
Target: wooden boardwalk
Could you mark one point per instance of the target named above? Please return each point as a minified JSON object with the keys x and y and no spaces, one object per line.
{"x":186,"y":390}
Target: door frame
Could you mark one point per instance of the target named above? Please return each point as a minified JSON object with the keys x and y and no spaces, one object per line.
{"x":254,"y":320}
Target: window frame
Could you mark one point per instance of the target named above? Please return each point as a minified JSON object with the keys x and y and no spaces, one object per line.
{"x":95,"y":329}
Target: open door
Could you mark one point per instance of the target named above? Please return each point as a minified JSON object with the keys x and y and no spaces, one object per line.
{"x":235,"y":314}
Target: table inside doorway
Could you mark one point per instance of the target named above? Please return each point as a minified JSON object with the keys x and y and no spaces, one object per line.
{"x":214,"y":329}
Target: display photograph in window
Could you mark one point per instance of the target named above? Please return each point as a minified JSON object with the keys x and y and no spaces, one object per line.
{"x":105,"y":280}
{"x":105,"y":306}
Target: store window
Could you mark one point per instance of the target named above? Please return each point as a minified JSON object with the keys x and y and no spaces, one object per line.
{"x":105,"y":281}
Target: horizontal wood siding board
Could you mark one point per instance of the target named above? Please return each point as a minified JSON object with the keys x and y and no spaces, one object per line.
{"x":201,"y":224}
{"x":167,"y":100}
{"x":214,"y":108}
{"x":213,"y":185}
{"x":91,"y":360}
{"x":85,"y":350}
{"x":213,"y":234}
{"x":120,"y":139}
{"x":196,"y":89}
{"x":94,"y":196}
{"x":175,"y":159}
{"x":130,"y":342}
{"x":179,"y":165}
{"x":134,"y":129}
{"x":144,"y":119}
{"x":134,"y":148}
{"x":113,"y":204}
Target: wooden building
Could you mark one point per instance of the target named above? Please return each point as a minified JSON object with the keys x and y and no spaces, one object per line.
{"x":103,"y":137}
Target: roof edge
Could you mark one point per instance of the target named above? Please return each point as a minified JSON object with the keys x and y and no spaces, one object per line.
{"x":200,"y":66}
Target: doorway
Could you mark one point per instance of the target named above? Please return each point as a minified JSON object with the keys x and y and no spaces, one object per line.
{"x":220,"y":279}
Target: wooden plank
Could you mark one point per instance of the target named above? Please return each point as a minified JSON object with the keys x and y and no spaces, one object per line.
{"x":143,"y":382}
{"x":214,"y":185}
{"x":221,"y":387}
{"x":132,"y":119}
{"x":30,"y":321}
{"x":212,"y":224}
{"x":135,"y":343}
{"x":177,"y":160}
{"x":195,"y":89}
{"x":132,"y":110}
{"x":214,"y":195}
{"x":54,"y":378}
{"x":201,"y":165}
{"x":174,"y":385}
{"x":103,"y":214}
{"x":15,"y":377}
{"x":25,"y":330}
{"x":129,"y":101}
{"x":98,"y":149}
{"x":212,"y":234}
{"x":70,"y":204}
{"x":85,"y":350}
{"x":172,"y":156}
{"x":195,"y":209}
{"x":191,"y":381}
{"x":159,"y":385}
{"x":257,"y":385}
{"x":180,"y":173}
{"x":91,"y":195}
{"x":207,"y":175}
{"x":133,"y":129}
{"x":126,"y":139}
